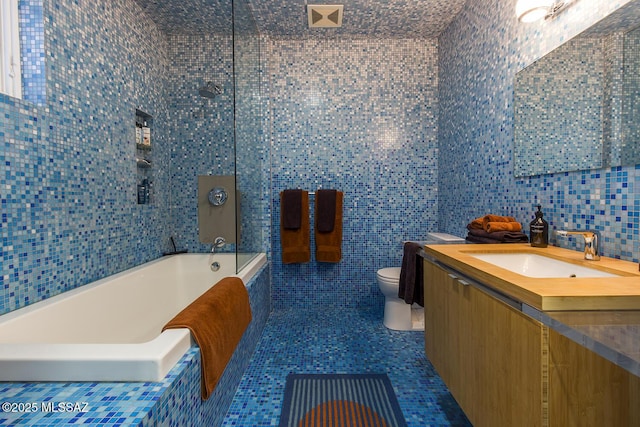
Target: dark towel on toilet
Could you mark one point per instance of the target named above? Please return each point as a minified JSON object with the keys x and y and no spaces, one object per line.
{"x":411,"y":285}
{"x":296,"y":245}
{"x":291,"y":209}
{"x":328,"y":243}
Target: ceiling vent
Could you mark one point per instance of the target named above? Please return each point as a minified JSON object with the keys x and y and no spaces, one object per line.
{"x":324,"y":15}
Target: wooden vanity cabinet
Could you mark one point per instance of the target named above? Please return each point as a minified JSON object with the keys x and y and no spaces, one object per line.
{"x":487,"y":352}
{"x":506,"y":369}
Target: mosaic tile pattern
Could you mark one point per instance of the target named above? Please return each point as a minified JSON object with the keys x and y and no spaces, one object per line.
{"x":251,"y":163}
{"x":276,"y":18}
{"x":67,"y":171}
{"x":321,"y":340}
{"x":102,"y":404}
{"x":479,"y":55}
{"x":368,"y":18}
{"x":67,"y":168}
{"x":190,"y":16}
{"x":30,"y":14}
{"x":219,"y":136}
{"x":335,"y":111}
{"x":358,"y":116}
{"x":69,"y":212}
{"x":201,"y":129}
{"x":173,"y":401}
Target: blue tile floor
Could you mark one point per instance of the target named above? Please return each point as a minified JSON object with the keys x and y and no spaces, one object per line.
{"x":340,"y":341}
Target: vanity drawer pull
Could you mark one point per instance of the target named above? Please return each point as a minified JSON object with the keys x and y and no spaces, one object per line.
{"x":459,"y":280}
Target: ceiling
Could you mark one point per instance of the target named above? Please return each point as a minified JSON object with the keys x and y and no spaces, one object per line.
{"x":362,"y":18}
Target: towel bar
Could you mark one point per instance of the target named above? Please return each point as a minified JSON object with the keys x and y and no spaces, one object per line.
{"x":311,"y":193}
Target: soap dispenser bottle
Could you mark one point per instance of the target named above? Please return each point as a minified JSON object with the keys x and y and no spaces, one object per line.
{"x":539,"y":230}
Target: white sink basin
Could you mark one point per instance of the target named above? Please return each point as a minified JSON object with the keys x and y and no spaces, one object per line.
{"x":533,"y":265}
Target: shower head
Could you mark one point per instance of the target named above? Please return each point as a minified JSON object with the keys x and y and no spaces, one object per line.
{"x":210,"y":90}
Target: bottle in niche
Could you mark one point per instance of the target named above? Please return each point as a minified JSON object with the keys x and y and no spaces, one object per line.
{"x":146,"y":134}
{"x":138,"y":133}
{"x":539,"y":230}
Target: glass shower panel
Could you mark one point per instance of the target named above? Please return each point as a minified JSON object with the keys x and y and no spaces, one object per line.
{"x":249,"y":163}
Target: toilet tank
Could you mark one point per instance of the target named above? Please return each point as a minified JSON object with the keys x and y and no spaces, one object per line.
{"x":444,"y":238}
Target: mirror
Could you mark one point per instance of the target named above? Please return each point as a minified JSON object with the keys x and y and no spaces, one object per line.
{"x":630,"y":151}
{"x":577,"y":108}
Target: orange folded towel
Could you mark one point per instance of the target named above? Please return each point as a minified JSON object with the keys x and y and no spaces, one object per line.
{"x":328,"y":243}
{"x":476,"y":224}
{"x":495,"y":218}
{"x":481,"y":223}
{"x":492,"y":227}
{"x":217,"y":320}
{"x":295,"y":243}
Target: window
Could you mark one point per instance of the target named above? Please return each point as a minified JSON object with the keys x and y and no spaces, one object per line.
{"x":10,"y":71}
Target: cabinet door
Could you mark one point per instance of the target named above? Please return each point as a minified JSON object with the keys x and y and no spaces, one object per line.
{"x":588,"y":390}
{"x":488,"y":353}
{"x":442,"y":324}
{"x":501,"y":363}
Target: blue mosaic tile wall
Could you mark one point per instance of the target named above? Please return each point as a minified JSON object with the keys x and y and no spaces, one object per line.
{"x":202,"y":137}
{"x":201,"y":129}
{"x":67,"y":169}
{"x":30,"y":14}
{"x":173,"y":401}
{"x":357,"y":115}
{"x":68,"y":178}
{"x":480,"y":52}
{"x":68,"y":173}
{"x":190,"y":16}
{"x":252,"y":164}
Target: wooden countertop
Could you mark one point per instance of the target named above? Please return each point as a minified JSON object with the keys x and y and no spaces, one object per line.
{"x":594,"y":293}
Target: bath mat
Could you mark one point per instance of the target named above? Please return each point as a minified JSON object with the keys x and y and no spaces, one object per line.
{"x":349,"y":400}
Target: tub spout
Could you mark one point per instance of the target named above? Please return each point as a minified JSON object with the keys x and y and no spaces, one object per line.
{"x":218,"y":243}
{"x":591,"y":242}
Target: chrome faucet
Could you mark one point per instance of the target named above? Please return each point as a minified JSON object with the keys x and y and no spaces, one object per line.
{"x":591,"y":242}
{"x":217,"y":244}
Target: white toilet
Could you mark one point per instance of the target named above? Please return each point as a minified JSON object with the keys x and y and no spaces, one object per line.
{"x":398,"y":315}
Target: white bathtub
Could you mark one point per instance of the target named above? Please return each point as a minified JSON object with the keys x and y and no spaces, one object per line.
{"x":110,"y":330}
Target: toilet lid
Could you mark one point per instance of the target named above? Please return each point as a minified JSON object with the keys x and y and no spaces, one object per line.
{"x":391,"y":273}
